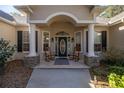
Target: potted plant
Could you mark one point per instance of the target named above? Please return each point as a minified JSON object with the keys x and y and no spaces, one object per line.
{"x":6,"y":51}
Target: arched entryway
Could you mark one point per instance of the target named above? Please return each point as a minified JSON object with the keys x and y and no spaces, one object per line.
{"x":61,"y":29}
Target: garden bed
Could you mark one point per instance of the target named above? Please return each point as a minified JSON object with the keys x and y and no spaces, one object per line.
{"x":99,"y":76}
{"x":16,"y":75}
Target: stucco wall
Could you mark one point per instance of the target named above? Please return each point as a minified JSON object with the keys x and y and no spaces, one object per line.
{"x":7,"y":32}
{"x":42,"y":12}
{"x":101,"y":28}
{"x":22,"y":28}
{"x":116,"y":37}
{"x":59,"y":26}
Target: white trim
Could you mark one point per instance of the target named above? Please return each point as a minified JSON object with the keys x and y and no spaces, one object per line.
{"x":81,"y":40}
{"x":80,"y":22}
{"x":23,"y":51}
{"x":77,"y":21}
{"x":85,"y":50}
{"x":61,"y":13}
{"x":116,"y":18}
{"x":7,"y":21}
{"x":43,"y":39}
{"x":58,"y":43}
{"x":41,"y":42}
{"x":107,"y":39}
{"x":28,"y":7}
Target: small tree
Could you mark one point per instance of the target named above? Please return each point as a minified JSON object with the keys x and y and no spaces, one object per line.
{"x":6,"y":51}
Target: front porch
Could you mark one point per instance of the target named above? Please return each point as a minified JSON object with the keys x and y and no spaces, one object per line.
{"x":62,"y":34}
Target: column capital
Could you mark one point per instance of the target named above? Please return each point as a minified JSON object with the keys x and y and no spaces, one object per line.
{"x":32,"y":25}
{"x":91,"y":26}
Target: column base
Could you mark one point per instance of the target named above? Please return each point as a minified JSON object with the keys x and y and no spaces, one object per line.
{"x":91,"y":54}
{"x":91,"y":60}
{"x":31,"y":61}
{"x":32,"y":54}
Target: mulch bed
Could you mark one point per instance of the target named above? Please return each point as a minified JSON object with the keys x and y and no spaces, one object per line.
{"x":16,"y":75}
{"x":99,"y":76}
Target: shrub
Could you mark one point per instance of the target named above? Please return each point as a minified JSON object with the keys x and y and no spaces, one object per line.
{"x":100,"y":71}
{"x":116,"y":77}
{"x":6,"y":51}
{"x":113,"y":57}
{"x":116,"y":81}
{"x":116,"y":69}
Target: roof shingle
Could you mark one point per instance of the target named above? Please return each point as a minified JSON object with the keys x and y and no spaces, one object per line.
{"x":6,"y":16}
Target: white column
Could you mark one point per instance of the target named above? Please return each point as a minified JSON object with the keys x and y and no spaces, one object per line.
{"x":91,"y":40}
{"x":32,"y":44}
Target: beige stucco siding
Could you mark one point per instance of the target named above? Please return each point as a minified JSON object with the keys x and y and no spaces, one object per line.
{"x":101,"y":28}
{"x":116,"y":37}
{"x":8,"y":32}
{"x":61,"y":26}
{"x":22,"y":28}
{"x":42,"y":12}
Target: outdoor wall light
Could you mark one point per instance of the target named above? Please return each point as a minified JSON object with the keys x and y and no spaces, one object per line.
{"x":72,"y":39}
{"x":98,"y":34}
{"x":68,"y":38}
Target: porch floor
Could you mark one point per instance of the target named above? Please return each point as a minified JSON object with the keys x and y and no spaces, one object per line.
{"x":72,"y":64}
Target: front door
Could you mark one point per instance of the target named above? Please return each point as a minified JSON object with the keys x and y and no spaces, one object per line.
{"x":62,"y":46}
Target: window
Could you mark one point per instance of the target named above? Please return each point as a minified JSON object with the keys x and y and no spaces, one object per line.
{"x":78,"y":40}
{"x":25,"y":41}
{"x":98,"y":41}
{"x":46,"y":40}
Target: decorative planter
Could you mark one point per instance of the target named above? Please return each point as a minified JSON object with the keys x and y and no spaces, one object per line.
{"x":91,"y":61}
{"x":31,"y":61}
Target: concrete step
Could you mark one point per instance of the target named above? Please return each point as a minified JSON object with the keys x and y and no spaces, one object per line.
{"x":62,"y":66}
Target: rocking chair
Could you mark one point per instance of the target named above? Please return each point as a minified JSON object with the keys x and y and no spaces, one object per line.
{"x":76,"y":54}
{"x":48,"y":54}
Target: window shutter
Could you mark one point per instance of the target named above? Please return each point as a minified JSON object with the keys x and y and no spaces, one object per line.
{"x":19,"y":41}
{"x":104,"y":40}
{"x":87,"y":41}
{"x":36,"y":42}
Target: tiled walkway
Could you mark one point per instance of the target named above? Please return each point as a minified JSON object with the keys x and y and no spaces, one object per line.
{"x":59,"y":78}
{"x":48,"y":75}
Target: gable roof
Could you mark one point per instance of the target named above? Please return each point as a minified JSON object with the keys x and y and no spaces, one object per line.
{"x":6,"y":16}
